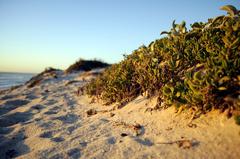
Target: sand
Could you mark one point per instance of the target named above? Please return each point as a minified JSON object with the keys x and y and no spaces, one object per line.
{"x":51,"y":121}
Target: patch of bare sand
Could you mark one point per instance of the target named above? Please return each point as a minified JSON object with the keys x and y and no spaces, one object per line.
{"x":50,"y":121}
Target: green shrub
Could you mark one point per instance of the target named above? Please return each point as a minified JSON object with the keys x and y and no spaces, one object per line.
{"x":199,"y":67}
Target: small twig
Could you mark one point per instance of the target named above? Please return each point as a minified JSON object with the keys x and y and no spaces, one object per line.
{"x":181,"y":143}
{"x":135,"y":127}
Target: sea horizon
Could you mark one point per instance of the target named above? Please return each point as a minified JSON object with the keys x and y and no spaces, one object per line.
{"x":10,"y":79}
{"x":19,"y":72}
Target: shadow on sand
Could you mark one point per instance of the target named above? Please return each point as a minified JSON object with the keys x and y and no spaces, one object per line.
{"x":12,"y":143}
{"x":11,"y":105}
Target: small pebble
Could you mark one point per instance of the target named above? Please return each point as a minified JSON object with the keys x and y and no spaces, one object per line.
{"x":111,"y":114}
{"x":124,"y":134}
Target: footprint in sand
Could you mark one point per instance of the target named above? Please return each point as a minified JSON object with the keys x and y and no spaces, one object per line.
{"x":69,"y":102}
{"x":50,"y":134}
{"x":15,"y":118}
{"x":5,"y":130}
{"x":7,"y":97}
{"x":53,"y":110}
{"x":145,"y":142}
{"x":18,"y":102}
{"x":57,"y":139}
{"x":74,"y":153}
{"x":111,"y":140}
{"x":10,"y":105}
{"x":73,"y":127}
{"x":47,"y":134}
{"x":67,"y":119}
{"x":9,"y":148}
{"x":70,"y":129}
{"x":50,"y":102}
{"x":36,"y":108}
{"x":46,"y":125}
{"x":71,"y":154}
{"x":30,"y":96}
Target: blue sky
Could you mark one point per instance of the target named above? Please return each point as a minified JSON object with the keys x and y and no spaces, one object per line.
{"x":35,"y":34}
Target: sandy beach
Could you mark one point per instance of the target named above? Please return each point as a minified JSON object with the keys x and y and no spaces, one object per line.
{"x":50,"y":120}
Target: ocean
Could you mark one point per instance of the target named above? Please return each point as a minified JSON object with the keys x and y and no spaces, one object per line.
{"x":8,"y":80}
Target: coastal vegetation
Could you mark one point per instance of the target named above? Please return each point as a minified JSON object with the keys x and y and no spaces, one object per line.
{"x":85,"y":65}
{"x":49,"y":71}
{"x":197,"y":68}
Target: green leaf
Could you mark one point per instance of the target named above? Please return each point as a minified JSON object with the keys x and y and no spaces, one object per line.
{"x":197,"y":76}
{"x":168,"y":91}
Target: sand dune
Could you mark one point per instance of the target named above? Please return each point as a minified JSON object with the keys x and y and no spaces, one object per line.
{"x":50,"y":121}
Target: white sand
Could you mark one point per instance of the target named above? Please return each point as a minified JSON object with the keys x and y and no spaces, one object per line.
{"x":50,"y":121}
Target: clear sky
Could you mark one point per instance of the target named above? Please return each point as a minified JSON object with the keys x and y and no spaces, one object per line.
{"x":35,"y":34}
